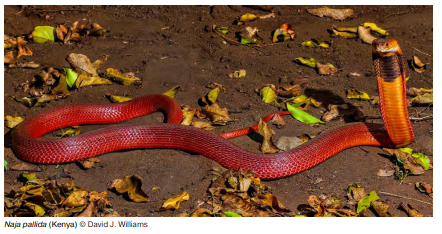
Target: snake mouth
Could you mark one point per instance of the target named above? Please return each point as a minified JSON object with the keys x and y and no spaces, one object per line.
{"x":384,"y":46}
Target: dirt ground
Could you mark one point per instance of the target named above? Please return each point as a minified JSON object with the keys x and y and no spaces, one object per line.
{"x":173,"y":45}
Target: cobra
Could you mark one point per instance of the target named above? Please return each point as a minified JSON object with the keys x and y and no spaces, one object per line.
{"x":395,"y":132}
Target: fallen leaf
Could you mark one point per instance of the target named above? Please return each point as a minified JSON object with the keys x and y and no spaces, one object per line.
{"x":87,"y":80}
{"x":9,"y":57}
{"x":172,"y":92}
{"x":132,"y":186}
{"x":346,"y":29}
{"x":289,"y":91}
{"x":250,"y":35}
{"x":419,"y":158}
{"x":31,"y":64}
{"x":267,"y":145}
{"x":385,"y":173}
{"x":91,"y":210}
{"x":38,"y":210}
{"x":114,"y":98}
{"x":302,"y":116}
{"x":10,"y":42}
{"x":417,"y":64}
{"x":82,"y":64}
{"x":278,"y":120}
{"x":336,"y":14}
{"x":11,"y":122}
{"x":247,"y":18}
{"x":422,"y":187}
{"x":173,"y":203}
{"x":218,"y":115}
{"x":76,"y":199}
{"x":29,"y":102}
{"x":267,"y":94}
{"x":381,"y":208}
{"x":61,"y":31}
{"x":411,"y":212}
{"x":96,"y":30}
{"x":333,"y":113}
{"x":424,"y":99}
{"x":202,"y":212}
{"x":232,"y":214}
{"x":326,"y":69}
{"x":89,"y":162}
{"x":283,"y":33}
{"x":374,"y":100}
{"x":238,"y":74}
{"x":364,"y":34}
{"x":375,"y":28}
{"x":42,"y":34}
{"x":356,"y":94}
{"x":287,"y":143}
{"x":347,"y":33}
{"x":364,"y":203}
{"x":116,"y":76}
{"x":22,"y":48}
{"x":71,"y":77}
{"x":203,"y":125}
{"x":355,"y":192}
{"x":314,"y":44}
{"x":311,"y":62}
{"x":188,"y":113}
{"x":223,"y":30}
{"x":212,"y":96}
{"x":25,"y":167}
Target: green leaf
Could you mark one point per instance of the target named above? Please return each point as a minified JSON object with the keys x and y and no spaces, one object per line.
{"x":302,"y":116}
{"x":232,"y":214}
{"x":71,"y":77}
{"x":406,"y":150}
{"x":364,"y":203}
{"x":42,"y":34}
{"x":6,"y":165}
{"x":422,"y":160}
{"x":246,"y":41}
{"x":267,"y":94}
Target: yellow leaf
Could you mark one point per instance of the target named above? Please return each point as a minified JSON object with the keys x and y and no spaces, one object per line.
{"x":268,"y":95}
{"x":375,"y":28}
{"x":188,"y":113}
{"x":132,"y":186}
{"x":172,"y":92}
{"x":356,"y":94}
{"x":115,"y":75}
{"x":173,"y":203}
{"x":76,"y":198}
{"x":213,"y":95}
{"x":114,"y":98}
{"x":247,"y":18}
{"x":218,"y":115}
{"x":11,"y":122}
{"x":311,"y":62}
{"x":238,"y":74}
{"x":345,"y":34}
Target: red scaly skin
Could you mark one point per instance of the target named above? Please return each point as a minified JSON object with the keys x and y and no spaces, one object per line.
{"x":27,"y":145}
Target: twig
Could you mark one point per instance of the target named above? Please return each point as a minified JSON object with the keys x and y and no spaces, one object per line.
{"x":422,"y":52}
{"x":420,"y":119}
{"x":394,"y":195}
{"x":398,"y":13}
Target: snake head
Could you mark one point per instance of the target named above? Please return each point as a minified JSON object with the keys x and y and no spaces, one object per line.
{"x":381,"y":46}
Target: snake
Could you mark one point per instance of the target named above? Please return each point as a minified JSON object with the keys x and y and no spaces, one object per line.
{"x":396,"y":130}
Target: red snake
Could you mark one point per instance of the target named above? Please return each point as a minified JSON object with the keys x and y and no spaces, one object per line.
{"x":396,"y":130}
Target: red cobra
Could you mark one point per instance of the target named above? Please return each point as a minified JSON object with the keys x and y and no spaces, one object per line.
{"x":396,"y":131}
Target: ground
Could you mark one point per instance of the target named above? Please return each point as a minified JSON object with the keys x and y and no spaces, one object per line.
{"x":174,"y":45}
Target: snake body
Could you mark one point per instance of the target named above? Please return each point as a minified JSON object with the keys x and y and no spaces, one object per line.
{"x":396,"y":131}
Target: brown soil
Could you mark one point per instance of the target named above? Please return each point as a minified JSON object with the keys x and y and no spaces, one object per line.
{"x":173,"y":45}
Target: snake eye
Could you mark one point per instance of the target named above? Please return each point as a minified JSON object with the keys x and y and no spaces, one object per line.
{"x":386,"y":43}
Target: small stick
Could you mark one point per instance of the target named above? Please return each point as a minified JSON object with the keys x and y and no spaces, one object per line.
{"x":238,"y":43}
{"x":394,"y":195}
{"x":422,"y":52}
{"x":420,"y":119}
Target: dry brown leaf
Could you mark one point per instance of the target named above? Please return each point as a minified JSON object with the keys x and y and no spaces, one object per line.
{"x":289,"y":91}
{"x":202,"y":212}
{"x":85,"y":80}
{"x":424,"y":99}
{"x":424,"y":188}
{"x":333,"y":113}
{"x":278,"y":120}
{"x":381,"y":208}
{"x":203,"y":125}
{"x":61,"y":31}
{"x":411,"y":212}
{"x":89,"y":162}
{"x":326,"y":69}
{"x":343,"y":33}
{"x":22,"y":48}
{"x":365,"y":35}
{"x":76,"y":199}
{"x":91,"y":210}
{"x":82,"y":64}
{"x":336,"y":14}
{"x":267,"y":146}
{"x":238,"y":74}
{"x":97,"y":30}
{"x":9,"y":57}
{"x":286,"y":143}
{"x":132,"y":186}
{"x":417,"y":64}
{"x":218,"y":115}
{"x":374,"y":100}
{"x":385,"y":173}
{"x":173,"y":203}
{"x":25,"y":167}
